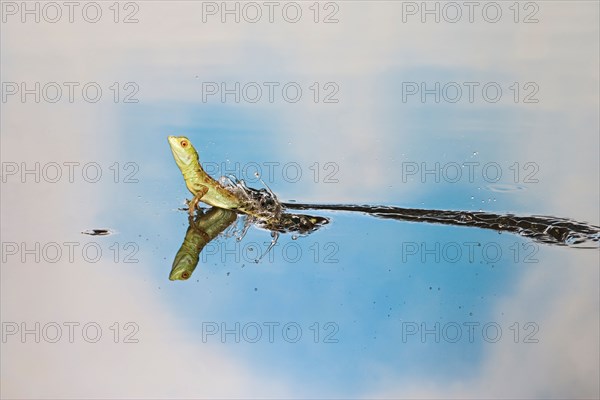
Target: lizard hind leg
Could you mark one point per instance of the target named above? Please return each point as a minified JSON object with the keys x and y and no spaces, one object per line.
{"x":192,"y":204}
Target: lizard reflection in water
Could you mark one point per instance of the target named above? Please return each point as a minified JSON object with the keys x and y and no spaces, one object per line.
{"x":202,"y":229}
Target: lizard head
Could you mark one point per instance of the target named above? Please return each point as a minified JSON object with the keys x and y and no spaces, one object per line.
{"x":183,"y":266}
{"x":183,"y":151}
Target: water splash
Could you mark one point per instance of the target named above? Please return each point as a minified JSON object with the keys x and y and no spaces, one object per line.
{"x":268,"y":211}
{"x":263,"y":202}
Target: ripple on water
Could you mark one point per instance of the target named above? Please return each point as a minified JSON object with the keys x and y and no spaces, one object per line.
{"x":505,"y":187}
{"x":98,"y":232}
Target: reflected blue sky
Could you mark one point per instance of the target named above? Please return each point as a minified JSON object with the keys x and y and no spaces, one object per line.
{"x":374,"y":286}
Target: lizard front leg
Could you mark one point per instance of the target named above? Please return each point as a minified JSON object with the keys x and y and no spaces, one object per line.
{"x":194,"y":202}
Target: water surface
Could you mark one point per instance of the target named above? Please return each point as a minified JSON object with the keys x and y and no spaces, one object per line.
{"x":379,"y":303}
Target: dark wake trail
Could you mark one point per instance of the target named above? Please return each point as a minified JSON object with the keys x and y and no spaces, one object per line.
{"x":544,"y":229}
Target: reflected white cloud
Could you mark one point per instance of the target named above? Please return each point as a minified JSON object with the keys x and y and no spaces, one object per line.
{"x":564,"y":363}
{"x":167,"y":362}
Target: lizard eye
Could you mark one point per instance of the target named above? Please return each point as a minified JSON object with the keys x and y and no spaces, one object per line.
{"x":183,"y":143}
